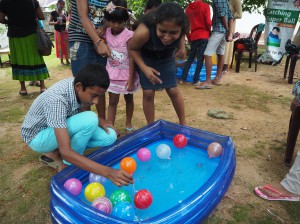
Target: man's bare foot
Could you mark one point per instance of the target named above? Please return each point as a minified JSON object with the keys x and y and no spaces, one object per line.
{"x":277,"y":187}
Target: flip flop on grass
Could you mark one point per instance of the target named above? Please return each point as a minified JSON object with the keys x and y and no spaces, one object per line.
{"x":50,"y":162}
{"x":280,"y":196}
{"x":129,"y":130}
{"x":203,"y":87}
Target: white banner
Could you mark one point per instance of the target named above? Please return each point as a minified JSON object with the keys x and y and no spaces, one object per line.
{"x":281,"y":19}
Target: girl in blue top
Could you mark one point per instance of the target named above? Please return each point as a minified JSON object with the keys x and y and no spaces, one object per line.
{"x":153,"y":47}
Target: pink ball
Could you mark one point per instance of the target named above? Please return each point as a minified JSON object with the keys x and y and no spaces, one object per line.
{"x":103,"y":204}
{"x":144,"y":154}
{"x":74,"y":186}
{"x":214,"y":149}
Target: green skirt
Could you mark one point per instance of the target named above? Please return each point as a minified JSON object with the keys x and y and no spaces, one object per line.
{"x":27,"y":64}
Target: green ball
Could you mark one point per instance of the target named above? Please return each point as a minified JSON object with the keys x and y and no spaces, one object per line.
{"x":118,"y":196}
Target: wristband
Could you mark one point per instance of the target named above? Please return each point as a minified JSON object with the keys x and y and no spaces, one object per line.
{"x":96,"y":43}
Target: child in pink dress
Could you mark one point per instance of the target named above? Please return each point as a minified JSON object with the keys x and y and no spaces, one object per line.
{"x":123,"y":78}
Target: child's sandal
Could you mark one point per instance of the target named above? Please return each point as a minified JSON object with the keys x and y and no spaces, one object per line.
{"x":129,"y":130}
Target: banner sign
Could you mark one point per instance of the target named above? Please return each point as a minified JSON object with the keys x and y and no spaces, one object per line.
{"x":281,"y":20}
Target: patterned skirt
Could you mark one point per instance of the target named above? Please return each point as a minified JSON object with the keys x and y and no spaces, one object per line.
{"x":27,"y":64}
{"x":62,"y":45}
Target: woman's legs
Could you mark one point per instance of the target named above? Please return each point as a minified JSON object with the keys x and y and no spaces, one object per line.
{"x":148,"y":105}
{"x":178,"y":104}
{"x":129,"y":110}
{"x":23,"y":87}
{"x":42,"y":86}
{"x":112,"y":107}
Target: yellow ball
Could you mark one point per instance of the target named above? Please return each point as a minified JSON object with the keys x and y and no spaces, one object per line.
{"x":93,"y":191}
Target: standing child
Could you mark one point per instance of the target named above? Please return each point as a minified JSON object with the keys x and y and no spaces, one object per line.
{"x":123,"y":79}
{"x":58,"y":18}
{"x":153,"y":48}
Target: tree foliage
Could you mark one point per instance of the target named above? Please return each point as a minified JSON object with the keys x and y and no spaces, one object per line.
{"x":248,"y":5}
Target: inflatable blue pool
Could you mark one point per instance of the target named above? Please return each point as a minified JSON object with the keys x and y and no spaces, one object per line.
{"x":192,"y":69}
{"x":193,"y":208}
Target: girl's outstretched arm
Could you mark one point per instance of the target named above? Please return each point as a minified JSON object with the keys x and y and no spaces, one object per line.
{"x":139,"y":39}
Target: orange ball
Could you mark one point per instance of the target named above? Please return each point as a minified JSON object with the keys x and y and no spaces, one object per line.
{"x":128,"y":164}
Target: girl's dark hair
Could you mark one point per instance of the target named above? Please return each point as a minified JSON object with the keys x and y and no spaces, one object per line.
{"x":276,"y":28}
{"x":119,"y":14}
{"x":172,"y":11}
{"x":92,"y":75}
{"x":152,"y":4}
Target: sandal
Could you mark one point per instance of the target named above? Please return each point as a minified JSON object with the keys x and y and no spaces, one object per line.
{"x":50,"y":162}
{"x":129,"y":130}
{"x":31,"y":83}
{"x":23,"y":93}
{"x":37,"y":83}
{"x":43,"y":90}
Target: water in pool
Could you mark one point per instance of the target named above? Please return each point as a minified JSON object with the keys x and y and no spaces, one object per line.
{"x":169,"y":181}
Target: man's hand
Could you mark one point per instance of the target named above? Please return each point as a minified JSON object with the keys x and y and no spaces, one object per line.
{"x":105,"y":124}
{"x":229,"y":36}
{"x":103,"y":50}
{"x":120,"y":177}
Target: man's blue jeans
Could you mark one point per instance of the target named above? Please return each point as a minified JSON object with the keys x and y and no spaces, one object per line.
{"x":81,"y":54}
{"x":197,"y":49}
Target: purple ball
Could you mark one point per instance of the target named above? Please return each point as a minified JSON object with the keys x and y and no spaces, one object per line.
{"x":74,"y":186}
{"x":97,"y":178}
{"x":144,"y":154}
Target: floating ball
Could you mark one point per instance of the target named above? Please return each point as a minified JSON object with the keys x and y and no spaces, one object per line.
{"x":128,"y":164}
{"x":74,"y":186}
{"x":93,"y":191}
{"x":163,"y":151}
{"x":144,"y":154}
{"x":118,"y":196}
{"x":97,"y":178}
{"x":180,"y":141}
{"x":103,"y":204}
{"x":124,"y":210}
{"x":214,"y":149}
{"x":143,"y":199}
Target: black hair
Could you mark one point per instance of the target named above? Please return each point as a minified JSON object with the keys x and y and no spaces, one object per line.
{"x":92,"y":75}
{"x":172,"y":11}
{"x":119,"y":14}
{"x":152,"y":4}
{"x":276,"y":28}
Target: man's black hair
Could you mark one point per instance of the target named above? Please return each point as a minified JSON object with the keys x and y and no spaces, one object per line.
{"x":92,"y":75}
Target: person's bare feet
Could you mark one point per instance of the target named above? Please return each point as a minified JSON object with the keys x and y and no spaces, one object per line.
{"x":216,"y":82}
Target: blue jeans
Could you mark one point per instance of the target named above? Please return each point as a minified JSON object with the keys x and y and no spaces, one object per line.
{"x":83,"y":135}
{"x":197,"y":49}
{"x":81,"y":54}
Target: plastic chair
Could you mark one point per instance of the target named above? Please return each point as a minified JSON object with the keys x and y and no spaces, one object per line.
{"x":290,"y":64}
{"x":239,"y":48}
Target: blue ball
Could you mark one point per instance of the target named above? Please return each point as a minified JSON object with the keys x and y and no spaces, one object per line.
{"x":124,"y":210}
